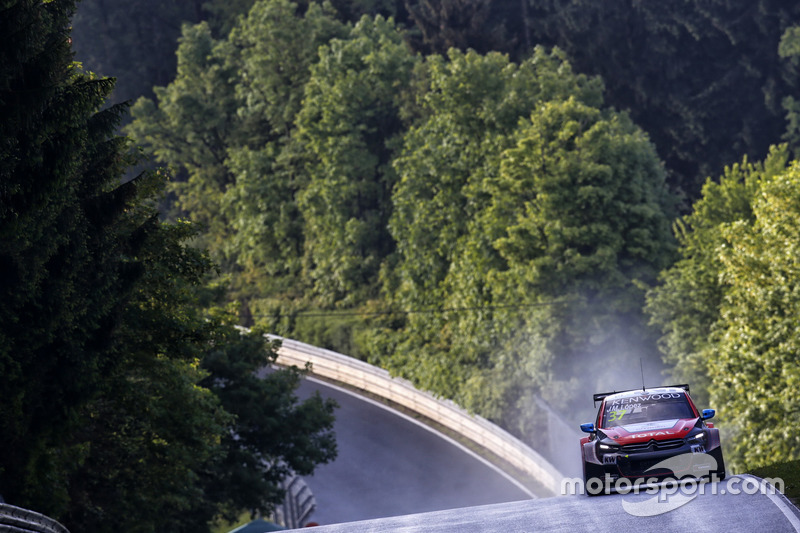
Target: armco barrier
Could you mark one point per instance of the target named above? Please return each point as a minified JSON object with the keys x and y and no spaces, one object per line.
{"x":18,"y":520}
{"x":349,"y":371}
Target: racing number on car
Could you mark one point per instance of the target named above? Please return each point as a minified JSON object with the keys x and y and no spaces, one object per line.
{"x":616,"y":415}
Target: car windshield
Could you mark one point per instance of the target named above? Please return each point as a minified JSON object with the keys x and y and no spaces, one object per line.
{"x":646,"y":407}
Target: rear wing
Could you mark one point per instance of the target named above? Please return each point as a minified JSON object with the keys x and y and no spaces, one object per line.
{"x":600,"y":396}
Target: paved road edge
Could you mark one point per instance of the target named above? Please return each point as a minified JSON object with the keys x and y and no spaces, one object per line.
{"x":349,"y":371}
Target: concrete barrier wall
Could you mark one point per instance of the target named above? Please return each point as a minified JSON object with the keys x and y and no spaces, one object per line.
{"x":18,"y":520}
{"x":349,"y":371}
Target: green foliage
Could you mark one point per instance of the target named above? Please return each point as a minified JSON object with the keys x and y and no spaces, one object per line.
{"x":727,"y":307}
{"x":187,"y":430}
{"x":136,"y":41}
{"x":120,"y":393}
{"x":789,"y":50}
{"x":470,"y":107}
{"x":331,"y":168}
{"x":273,"y":435}
{"x":790,"y":42}
{"x":348,"y":124}
{"x":704,"y":79}
{"x":755,"y":366}
{"x":685,"y":306}
{"x":292,"y":186}
{"x":516,"y":191}
{"x":63,"y":276}
{"x":149,"y":429}
{"x":189,"y":128}
{"x":580,"y":216}
{"x":225,"y":124}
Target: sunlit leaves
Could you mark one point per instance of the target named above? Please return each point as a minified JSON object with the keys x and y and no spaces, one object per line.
{"x":728,"y":308}
{"x":350,"y":116}
{"x":755,"y":367}
{"x":517,"y":189}
{"x":686,"y":304}
{"x":225,"y":124}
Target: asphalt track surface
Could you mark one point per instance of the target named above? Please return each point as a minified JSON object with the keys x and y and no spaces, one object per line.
{"x":389,"y":464}
{"x":717,"y":509}
{"x":395,"y":475}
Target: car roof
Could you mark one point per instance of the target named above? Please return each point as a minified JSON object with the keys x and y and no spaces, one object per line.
{"x":645,"y":392}
{"x":639,"y":392}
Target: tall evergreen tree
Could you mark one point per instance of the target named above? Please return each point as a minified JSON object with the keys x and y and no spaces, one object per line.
{"x":120,"y":395}
{"x":63,"y":275}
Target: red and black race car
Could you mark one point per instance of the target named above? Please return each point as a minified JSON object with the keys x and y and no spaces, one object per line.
{"x":650,"y":435}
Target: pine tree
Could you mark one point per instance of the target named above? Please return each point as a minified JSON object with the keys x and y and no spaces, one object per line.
{"x":118,"y":390}
{"x":62,"y":273}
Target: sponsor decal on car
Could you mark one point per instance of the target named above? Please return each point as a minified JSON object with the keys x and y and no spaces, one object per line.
{"x":651,"y":426}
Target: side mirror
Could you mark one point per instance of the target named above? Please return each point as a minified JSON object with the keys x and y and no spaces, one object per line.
{"x":708,"y":413}
{"x":588,"y":427}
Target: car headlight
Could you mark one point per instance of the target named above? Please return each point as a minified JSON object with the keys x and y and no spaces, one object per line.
{"x":697,"y":439}
{"x":609,"y":447}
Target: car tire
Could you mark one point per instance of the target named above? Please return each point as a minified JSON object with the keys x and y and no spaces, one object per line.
{"x":719,"y":473}
{"x":591,"y":470}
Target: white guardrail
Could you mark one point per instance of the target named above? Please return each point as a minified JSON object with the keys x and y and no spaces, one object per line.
{"x":350,"y":371}
{"x":18,"y":520}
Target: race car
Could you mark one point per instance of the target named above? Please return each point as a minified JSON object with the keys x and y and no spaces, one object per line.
{"x":649,"y":436}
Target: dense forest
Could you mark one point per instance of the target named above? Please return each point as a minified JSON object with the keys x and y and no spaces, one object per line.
{"x":497,"y":200}
{"x":129,"y":398}
{"x":502,"y":200}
